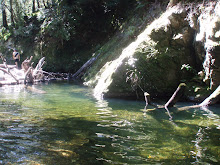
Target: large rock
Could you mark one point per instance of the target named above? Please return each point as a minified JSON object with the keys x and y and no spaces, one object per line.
{"x":183,"y":42}
{"x":159,"y":60}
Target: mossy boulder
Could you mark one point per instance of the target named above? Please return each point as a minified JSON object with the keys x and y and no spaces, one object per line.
{"x":159,"y":61}
{"x":175,"y":49}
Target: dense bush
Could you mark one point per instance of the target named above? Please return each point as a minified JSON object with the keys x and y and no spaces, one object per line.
{"x":64,"y":31}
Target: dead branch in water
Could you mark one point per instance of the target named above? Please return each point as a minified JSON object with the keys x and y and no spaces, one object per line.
{"x":176,"y":95}
{"x":212,"y":99}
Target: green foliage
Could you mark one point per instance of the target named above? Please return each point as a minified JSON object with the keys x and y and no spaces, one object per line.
{"x":134,"y":76}
{"x":58,"y":22}
{"x":26,"y":31}
{"x":142,"y":3}
{"x":148,"y":49}
{"x":4,"y":34}
{"x":50,"y":27}
{"x":188,"y":72}
{"x":130,"y":31}
{"x":187,"y":67}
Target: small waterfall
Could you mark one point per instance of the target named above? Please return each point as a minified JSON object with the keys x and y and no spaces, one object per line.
{"x":208,"y":20}
{"x":106,"y":76}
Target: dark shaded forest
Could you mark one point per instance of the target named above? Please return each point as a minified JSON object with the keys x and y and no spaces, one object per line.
{"x":66,"y":32}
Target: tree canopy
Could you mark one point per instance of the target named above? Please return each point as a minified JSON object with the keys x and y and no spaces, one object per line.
{"x":62,"y":28}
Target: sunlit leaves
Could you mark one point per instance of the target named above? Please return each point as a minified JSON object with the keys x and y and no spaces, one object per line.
{"x":4,"y":34}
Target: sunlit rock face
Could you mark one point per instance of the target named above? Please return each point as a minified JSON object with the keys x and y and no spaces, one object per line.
{"x":174,"y":48}
{"x":207,"y":42}
{"x":159,"y":58}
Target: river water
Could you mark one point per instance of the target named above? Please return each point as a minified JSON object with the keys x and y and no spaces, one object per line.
{"x":66,"y":125}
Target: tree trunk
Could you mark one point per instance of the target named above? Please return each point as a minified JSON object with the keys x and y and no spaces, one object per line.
{"x":12,"y":15}
{"x":38,"y":4}
{"x":45,"y":6}
{"x":4,"y":16}
{"x":33,"y":7}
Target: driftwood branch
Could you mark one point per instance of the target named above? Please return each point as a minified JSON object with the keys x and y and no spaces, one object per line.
{"x":4,"y":70}
{"x":26,"y":63}
{"x":213,"y":98}
{"x":38,"y":67}
{"x":9,"y":66}
{"x":147,"y":99}
{"x":8,"y":69}
{"x":85,"y":67}
{"x":176,"y":95}
{"x":12,"y":75}
{"x":9,"y":72}
{"x":27,"y":73}
{"x":28,"y":76}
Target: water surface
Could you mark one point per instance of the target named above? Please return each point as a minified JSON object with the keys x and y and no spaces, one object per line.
{"x":62,"y":123}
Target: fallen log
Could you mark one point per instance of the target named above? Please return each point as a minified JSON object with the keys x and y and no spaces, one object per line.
{"x":9,"y":66}
{"x":26,"y":63}
{"x":176,"y":95}
{"x":39,"y":65}
{"x":38,"y":69}
{"x":172,"y":101}
{"x":85,"y":67}
{"x":148,"y":101}
{"x":25,"y":75}
{"x":9,"y":72}
{"x":213,"y":98}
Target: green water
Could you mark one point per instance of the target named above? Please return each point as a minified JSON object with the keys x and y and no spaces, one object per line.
{"x":66,"y":125}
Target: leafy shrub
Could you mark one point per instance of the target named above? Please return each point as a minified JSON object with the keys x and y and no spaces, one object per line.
{"x":4,"y":34}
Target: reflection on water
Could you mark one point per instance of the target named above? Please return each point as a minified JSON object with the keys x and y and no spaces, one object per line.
{"x":66,"y":125}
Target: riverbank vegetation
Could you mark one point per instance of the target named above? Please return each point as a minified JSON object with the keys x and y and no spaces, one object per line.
{"x":65,"y":32}
{"x":142,"y":45}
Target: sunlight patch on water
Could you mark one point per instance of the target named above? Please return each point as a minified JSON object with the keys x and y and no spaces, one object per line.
{"x":15,"y":89}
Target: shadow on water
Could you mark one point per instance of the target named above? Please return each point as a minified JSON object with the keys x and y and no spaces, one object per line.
{"x":194,"y":133}
{"x":67,"y":126}
{"x":52,"y":141}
